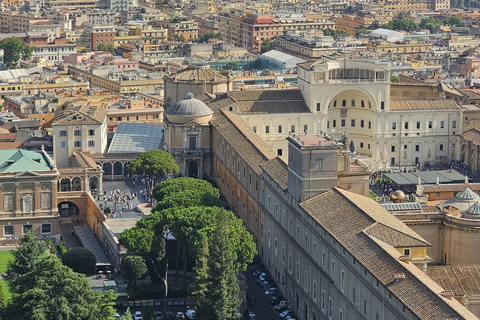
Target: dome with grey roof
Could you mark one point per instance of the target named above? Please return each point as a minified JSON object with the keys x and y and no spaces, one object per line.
{"x":188,"y":109}
{"x":466,"y":194}
{"x":473,"y":212}
{"x":462,"y":200}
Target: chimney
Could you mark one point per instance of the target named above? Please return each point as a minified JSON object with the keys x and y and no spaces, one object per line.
{"x":397,"y":277}
{"x":447,"y":294}
{"x":405,"y":259}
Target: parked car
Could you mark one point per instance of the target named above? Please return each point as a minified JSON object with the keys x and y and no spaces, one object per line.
{"x":252,"y":316}
{"x":169,"y":315}
{"x":116,"y":316}
{"x":158,"y":315}
{"x":263,"y":279}
{"x":179,"y":315}
{"x":271,"y":291}
{"x":190,"y":314}
{"x":282,"y":305}
{"x":137,"y":315}
{"x":286,"y":313}
{"x":267,"y":284}
{"x":275,"y":299}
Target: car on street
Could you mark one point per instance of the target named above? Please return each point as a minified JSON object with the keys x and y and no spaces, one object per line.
{"x":169,"y":315}
{"x":190,"y":314}
{"x":286,"y":313}
{"x":252,"y":316}
{"x":157,"y":315}
{"x":275,"y":299}
{"x":179,"y":315}
{"x":271,"y":291}
{"x":138,"y":315}
{"x":116,"y":316}
{"x":282,"y":305}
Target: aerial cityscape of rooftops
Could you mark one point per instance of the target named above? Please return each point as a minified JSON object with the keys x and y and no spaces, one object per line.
{"x":239,"y":159}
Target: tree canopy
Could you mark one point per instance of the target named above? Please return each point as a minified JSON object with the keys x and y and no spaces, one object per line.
{"x":268,"y":45}
{"x":80,"y":260}
{"x":52,"y":291}
{"x":402,"y":24}
{"x":334,"y":33}
{"x":14,"y":51}
{"x":106,"y":48}
{"x":133,"y":268}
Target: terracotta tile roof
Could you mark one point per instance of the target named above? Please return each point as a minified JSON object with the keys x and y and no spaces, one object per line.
{"x":240,"y":136}
{"x":198,"y":74}
{"x":430,"y":104}
{"x":7,"y":137}
{"x":83,"y":115}
{"x":88,"y":160}
{"x":394,"y":237}
{"x":277,"y":169}
{"x":266,"y":95}
{"x":451,"y":187}
{"x":345,"y":215}
{"x":431,"y":209}
{"x":472,"y":135}
{"x":11,"y":145}
{"x":269,"y":101}
{"x":462,"y":280}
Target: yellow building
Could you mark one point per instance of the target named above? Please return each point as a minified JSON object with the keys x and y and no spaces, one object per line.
{"x":412,"y":46}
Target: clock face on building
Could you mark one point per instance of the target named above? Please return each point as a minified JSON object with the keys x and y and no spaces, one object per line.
{"x":7,"y":188}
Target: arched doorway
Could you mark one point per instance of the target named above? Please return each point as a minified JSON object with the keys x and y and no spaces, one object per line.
{"x":193,"y":169}
{"x":67,"y":209}
{"x":76,"y":184}
{"x":93,"y":183}
{"x":117,"y":169}
{"x":107,"y":169}
{"x":65,"y":185}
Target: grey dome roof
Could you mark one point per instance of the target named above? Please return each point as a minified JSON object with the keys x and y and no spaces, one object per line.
{"x":189,"y":106}
{"x":466,"y":194}
{"x":474,"y":210}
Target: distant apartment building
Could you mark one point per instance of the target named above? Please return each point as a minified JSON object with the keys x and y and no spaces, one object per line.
{"x":72,"y":4}
{"x":117,"y":5}
{"x":54,"y":52}
{"x":95,"y":35}
{"x":410,"y":46}
{"x":467,"y":67}
{"x":101,"y":17}
{"x":179,"y":27}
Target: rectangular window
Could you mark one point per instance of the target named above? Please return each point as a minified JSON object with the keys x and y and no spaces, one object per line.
{"x":418,"y":125}
{"x":192,"y":143}
{"x":417,"y":147}
{"x":322,"y":304}
{"x":352,"y":122}
{"x":290,"y":263}
{"x":63,"y":144}
{"x":91,"y":132}
{"x":330,"y":308}
{"x":267,"y":129}
{"x":27,"y":228}
{"x":344,"y":103}
{"x":441,"y":147}
{"x":77,"y":133}
{"x":406,"y":252}
{"x":254,"y":129}
{"x":454,"y":124}
{"x":362,"y":123}
{"x":394,"y":125}
{"x":353,"y":295}
{"x":305,"y":281}
{"x":340,"y":314}
{"x":392,"y":148}
{"x":369,"y":125}
{"x":305,"y":128}
{"x":364,"y":307}
{"x":430,"y":124}
{"x":292,"y":129}
{"x":275,"y":244}
{"x":314,"y":289}
{"x":279,"y":152}
{"x":363,"y":104}
{"x":77,"y":144}
{"x":279,"y":129}
{"x":9,"y":230}
{"x":353,"y":102}
{"x":63,"y":133}
{"x":343,"y":122}
{"x":46,"y":227}
{"x":382,"y":105}
{"x":332,"y":269}
{"x":319,"y":165}
{"x":324,"y":259}
{"x":91,"y":143}
{"x":283,"y":254}
{"x":334,"y":103}
{"x":334,"y":123}
{"x":318,"y":106}
{"x":298,"y":272}
{"x":314,"y":251}
{"x":342,"y":281}
{"x":406,"y":125}
{"x":268,"y":239}
{"x":361,"y":144}
{"x":442,"y":124}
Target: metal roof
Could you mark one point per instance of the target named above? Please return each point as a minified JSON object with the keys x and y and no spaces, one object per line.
{"x":402,"y":206}
{"x":90,"y":242}
{"x":136,"y":137}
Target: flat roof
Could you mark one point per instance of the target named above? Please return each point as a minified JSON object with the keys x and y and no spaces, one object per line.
{"x":427,"y":177}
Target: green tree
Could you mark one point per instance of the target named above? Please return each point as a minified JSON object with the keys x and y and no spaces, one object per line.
{"x":25,"y":258}
{"x":154,"y":164}
{"x":352,"y":147}
{"x":268,"y":45}
{"x":403,"y":24}
{"x":220,"y":300}
{"x":84,"y":50}
{"x":231,"y":66}
{"x":178,"y":37}
{"x":53,"y":291}
{"x":14,"y":51}
{"x":106,"y":47}
{"x":80,"y":260}
{"x":334,"y":33}
{"x":127,"y":315}
{"x":394,"y":79}
{"x":133,"y":268}
{"x":3,"y":299}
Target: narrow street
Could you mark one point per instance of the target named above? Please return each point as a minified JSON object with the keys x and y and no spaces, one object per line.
{"x":261,"y":308}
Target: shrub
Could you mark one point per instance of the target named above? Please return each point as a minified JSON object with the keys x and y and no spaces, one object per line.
{"x":53,"y":250}
{"x":61,"y":247}
{"x":80,"y":260}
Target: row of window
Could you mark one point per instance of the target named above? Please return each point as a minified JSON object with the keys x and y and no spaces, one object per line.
{"x":280,"y":129}
{"x":430,"y":125}
{"x":353,"y":103}
{"x":417,"y":147}
{"x":76,"y":133}
{"x":137,"y":117}
{"x":10,"y":229}
{"x":352,"y":123}
{"x":78,"y":144}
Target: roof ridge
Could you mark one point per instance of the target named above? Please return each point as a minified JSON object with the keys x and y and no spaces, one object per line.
{"x":391,"y":228}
